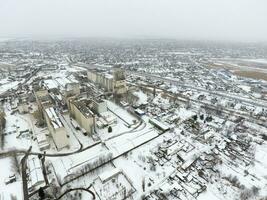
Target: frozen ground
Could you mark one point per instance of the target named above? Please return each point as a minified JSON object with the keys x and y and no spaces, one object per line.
{"x":214,"y":148}
{"x":7,"y":169}
{"x":6,"y":85}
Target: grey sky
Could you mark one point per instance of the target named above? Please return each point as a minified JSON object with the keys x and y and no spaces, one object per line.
{"x":244,"y":20}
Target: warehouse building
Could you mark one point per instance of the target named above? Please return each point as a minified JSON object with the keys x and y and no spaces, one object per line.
{"x":113,"y":83}
{"x":99,"y":106}
{"x":81,"y":111}
{"x":119,"y":81}
{"x":35,"y":173}
{"x":56,"y":128}
{"x":159,"y":124}
{"x":103,"y":79}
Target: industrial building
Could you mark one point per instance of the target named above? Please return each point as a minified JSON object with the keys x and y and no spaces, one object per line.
{"x":43,"y":99}
{"x":92,"y":74}
{"x":119,"y":80}
{"x":103,"y":79}
{"x":77,"y":164}
{"x":84,"y":112}
{"x":71,"y":89}
{"x":68,"y":86}
{"x":99,"y":106}
{"x":81,"y":111}
{"x":114,"y":83}
{"x":42,"y":141}
{"x":159,"y":124}
{"x":61,"y":89}
{"x":56,"y":128}
{"x":54,"y":124}
{"x":108,"y":82}
{"x":35,"y":172}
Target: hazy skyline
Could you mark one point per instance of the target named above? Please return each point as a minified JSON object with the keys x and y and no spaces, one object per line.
{"x":235,"y":20}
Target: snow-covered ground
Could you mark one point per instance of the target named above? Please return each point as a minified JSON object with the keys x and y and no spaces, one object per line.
{"x":7,"y":169}
{"x":201,"y":148}
{"x":6,"y":85}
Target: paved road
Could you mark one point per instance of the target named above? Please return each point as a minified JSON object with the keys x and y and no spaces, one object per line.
{"x":24,"y":174}
{"x":77,"y":189}
{"x":23,"y":151}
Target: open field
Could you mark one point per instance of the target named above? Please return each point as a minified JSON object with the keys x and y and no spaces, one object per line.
{"x":245,"y":68}
{"x":252,"y":74}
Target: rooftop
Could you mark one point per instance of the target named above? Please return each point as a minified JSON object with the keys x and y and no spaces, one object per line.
{"x":84,"y":106}
{"x":54,"y":118}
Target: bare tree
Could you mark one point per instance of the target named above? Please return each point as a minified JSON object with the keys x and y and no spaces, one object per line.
{"x":2,"y":126}
{"x":247,"y":194}
{"x":143,"y":184}
{"x":2,"y":139}
{"x":15,"y":163}
{"x":55,"y":190}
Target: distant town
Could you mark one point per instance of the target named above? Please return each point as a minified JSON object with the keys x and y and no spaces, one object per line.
{"x":132,"y":119}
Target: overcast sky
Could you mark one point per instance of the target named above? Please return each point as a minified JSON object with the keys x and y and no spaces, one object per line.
{"x":241,"y":20}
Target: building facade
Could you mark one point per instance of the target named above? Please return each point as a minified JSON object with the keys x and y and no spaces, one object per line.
{"x":56,"y":128}
{"x":103,"y":79}
{"x":119,"y":84}
{"x":81,"y":111}
{"x":99,"y":106}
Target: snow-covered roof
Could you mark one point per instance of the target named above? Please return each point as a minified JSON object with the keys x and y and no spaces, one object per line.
{"x":159,"y":124}
{"x":50,"y":84}
{"x":54,"y":118}
{"x":35,"y":172}
{"x":73,"y":164}
{"x":142,"y":97}
{"x":40,"y":137}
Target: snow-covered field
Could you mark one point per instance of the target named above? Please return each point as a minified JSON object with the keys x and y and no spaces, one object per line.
{"x":7,"y":169}
{"x":7,"y":85}
{"x":200,"y":133}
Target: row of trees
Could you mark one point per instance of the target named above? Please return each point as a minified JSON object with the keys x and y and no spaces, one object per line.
{"x":101,"y":159}
{"x":2,"y":126}
{"x":97,"y":162}
{"x":251,"y":193}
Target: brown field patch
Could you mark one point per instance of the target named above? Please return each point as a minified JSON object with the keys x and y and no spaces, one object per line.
{"x":239,"y":72}
{"x":252,"y":74}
